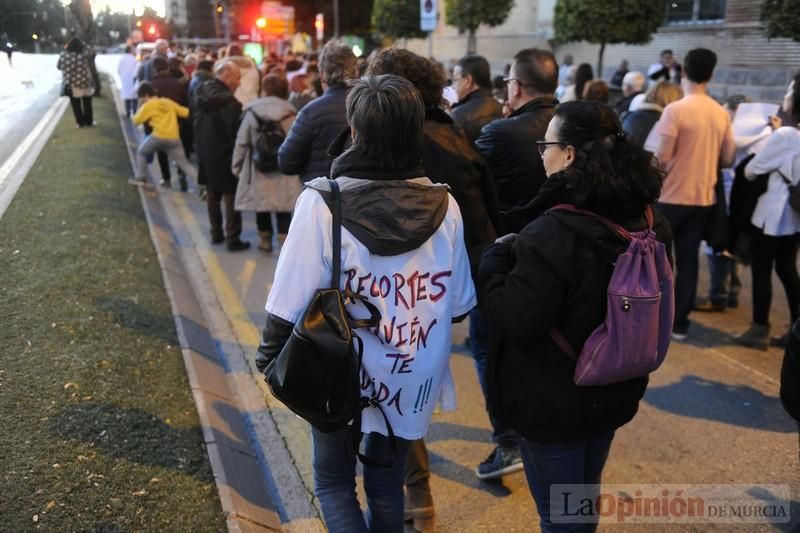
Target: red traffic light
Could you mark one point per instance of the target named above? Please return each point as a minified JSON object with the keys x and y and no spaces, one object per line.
{"x":261,"y":22}
{"x":152,"y":29}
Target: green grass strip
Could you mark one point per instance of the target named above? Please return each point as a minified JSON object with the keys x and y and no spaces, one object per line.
{"x":99,"y":429}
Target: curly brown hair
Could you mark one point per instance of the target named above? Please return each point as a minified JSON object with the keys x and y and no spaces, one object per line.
{"x":426,"y":75}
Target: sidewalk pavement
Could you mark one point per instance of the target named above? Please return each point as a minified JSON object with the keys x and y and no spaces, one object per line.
{"x":711,"y":414}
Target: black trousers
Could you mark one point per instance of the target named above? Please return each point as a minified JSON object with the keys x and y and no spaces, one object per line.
{"x":82,"y":109}
{"x":264,"y":222}
{"x":233,"y":218}
{"x":782,"y":252}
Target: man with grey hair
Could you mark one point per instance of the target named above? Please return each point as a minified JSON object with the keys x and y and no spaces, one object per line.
{"x":305,"y":150}
{"x":632,"y":85}
{"x":215,"y":128}
{"x":146,"y":72}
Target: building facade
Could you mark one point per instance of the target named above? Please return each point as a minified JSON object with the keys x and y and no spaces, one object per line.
{"x":749,"y":63}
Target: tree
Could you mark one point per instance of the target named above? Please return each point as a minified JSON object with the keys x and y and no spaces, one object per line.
{"x":608,"y":22}
{"x":468,"y":15}
{"x":781,"y":18}
{"x":397,"y":19}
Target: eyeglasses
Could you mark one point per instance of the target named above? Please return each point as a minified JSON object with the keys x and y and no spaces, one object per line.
{"x":542,"y":145}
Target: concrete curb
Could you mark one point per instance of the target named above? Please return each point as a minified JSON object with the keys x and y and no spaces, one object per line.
{"x":246,"y":496}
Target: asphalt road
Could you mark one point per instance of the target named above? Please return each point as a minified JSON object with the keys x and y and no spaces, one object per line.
{"x":710,"y":415}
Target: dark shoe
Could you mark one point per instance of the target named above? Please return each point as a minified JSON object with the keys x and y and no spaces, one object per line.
{"x":710,"y":307}
{"x":733,"y":302}
{"x":501,"y":462}
{"x":217,"y":239}
{"x":265,"y":242}
{"x":680,"y":333}
{"x":757,"y":336}
{"x":238,"y":246}
{"x":165,"y":183}
{"x":779,"y":342}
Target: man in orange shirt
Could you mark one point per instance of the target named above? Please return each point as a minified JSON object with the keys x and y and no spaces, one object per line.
{"x":695,"y":137}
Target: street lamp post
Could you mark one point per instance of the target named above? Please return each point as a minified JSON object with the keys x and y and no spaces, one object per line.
{"x":335,"y":19}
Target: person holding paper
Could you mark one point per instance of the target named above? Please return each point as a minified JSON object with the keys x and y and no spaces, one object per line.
{"x":776,"y":224}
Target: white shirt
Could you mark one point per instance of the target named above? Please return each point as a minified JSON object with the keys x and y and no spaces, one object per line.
{"x":405,"y":362}
{"x":126,"y":68}
{"x":781,"y":152}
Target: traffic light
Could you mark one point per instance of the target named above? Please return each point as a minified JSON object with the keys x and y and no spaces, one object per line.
{"x":261,"y":23}
{"x":152,"y":29}
{"x":138,"y":23}
{"x":319,"y":25}
{"x":220,"y":8}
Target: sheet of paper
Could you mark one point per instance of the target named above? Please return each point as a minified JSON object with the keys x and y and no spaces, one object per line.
{"x":752,"y":118}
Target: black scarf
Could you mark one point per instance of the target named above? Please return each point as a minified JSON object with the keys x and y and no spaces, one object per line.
{"x":353,"y":164}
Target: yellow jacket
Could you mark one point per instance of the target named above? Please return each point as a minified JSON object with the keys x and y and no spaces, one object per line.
{"x":162,"y":114}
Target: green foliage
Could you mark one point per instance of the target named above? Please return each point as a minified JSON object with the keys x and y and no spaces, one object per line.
{"x":608,"y":21}
{"x":781,"y":18}
{"x":397,"y":18}
{"x":469,"y":14}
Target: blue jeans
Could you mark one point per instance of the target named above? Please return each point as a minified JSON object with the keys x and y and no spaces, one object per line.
{"x":335,"y":483}
{"x":688,"y":225}
{"x":478,"y":345}
{"x":577,"y":463}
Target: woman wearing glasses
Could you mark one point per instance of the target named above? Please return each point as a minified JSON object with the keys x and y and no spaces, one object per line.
{"x":555,"y":274}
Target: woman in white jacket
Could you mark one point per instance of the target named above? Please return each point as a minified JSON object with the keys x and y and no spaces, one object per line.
{"x":776,"y":224}
{"x":272,"y":192}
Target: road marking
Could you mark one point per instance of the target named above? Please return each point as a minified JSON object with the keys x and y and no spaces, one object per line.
{"x":19,"y":163}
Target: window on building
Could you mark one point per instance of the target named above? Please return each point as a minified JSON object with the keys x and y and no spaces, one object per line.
{"x":693,"y":11}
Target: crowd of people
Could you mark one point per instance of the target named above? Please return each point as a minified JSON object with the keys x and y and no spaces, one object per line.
{"x":447,"y":198}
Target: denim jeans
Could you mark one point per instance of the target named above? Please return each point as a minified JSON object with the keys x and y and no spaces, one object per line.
{"x":478,"y":344}
{"x":688,"y":225}
{"x":335,"y":483}
{"x":574,"y":463}
{"x":172,"y":147}
{"x":725,"y":283}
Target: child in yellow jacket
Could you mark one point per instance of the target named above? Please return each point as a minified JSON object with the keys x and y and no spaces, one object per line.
{"x":162,"y":115}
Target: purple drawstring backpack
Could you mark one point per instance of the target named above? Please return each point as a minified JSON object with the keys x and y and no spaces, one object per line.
{"x":634,"y":338}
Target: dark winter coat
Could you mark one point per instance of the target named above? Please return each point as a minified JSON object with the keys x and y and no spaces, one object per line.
{"x":475,"y":111}
{"x":790,"y":374}
{"x":448,"y":157}
{"x":170,"y":87}
{"x":305,"y":150}
{"x":216,"y":125}
{"x":555,"y":274}
{"x":509,"y":146}
{"x":637,"y":124}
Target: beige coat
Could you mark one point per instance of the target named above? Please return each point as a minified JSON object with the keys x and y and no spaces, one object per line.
{"x":257,"y":191}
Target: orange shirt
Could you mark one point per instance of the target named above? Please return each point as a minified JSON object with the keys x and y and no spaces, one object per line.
{"x":699,"y":126}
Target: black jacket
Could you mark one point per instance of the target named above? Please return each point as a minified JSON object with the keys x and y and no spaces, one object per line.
{"x":475,"y":111}
{"x":448,"y":157}
{"x":305,"y":150}
{"x":216,"y":124}
{"x":637,"y":124}
{"x":790,"y":374}
{"x":509,"y":146}
{"x":555,"y":274}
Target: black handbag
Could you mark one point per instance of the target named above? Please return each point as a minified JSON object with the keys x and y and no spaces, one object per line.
{"x":794,"y":192}
{"x":66,"y":89}
{"x":317,"y":373}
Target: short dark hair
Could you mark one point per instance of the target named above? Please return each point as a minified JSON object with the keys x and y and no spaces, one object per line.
{"x":386,"y":114}
{"x":426,"y":75}
{"x":160,"y":64}
{"x":666,"y":51}
{"x":699,"y":64}
{"x":128,"y":49}
{"x":609,"y":176}
{"x":145,"y":89}
{"x":477,"y":67}
{"x":536,"y":69}
{"x":205,"y":64}
{"x":274,"y":85}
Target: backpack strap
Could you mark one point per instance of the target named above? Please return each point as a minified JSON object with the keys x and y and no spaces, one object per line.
{"x":613,"y":226}
{"x":562,"y":343}
{"x":336,"y":209}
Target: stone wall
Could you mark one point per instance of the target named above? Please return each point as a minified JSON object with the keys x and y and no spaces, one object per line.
{"x":749,"y":63}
